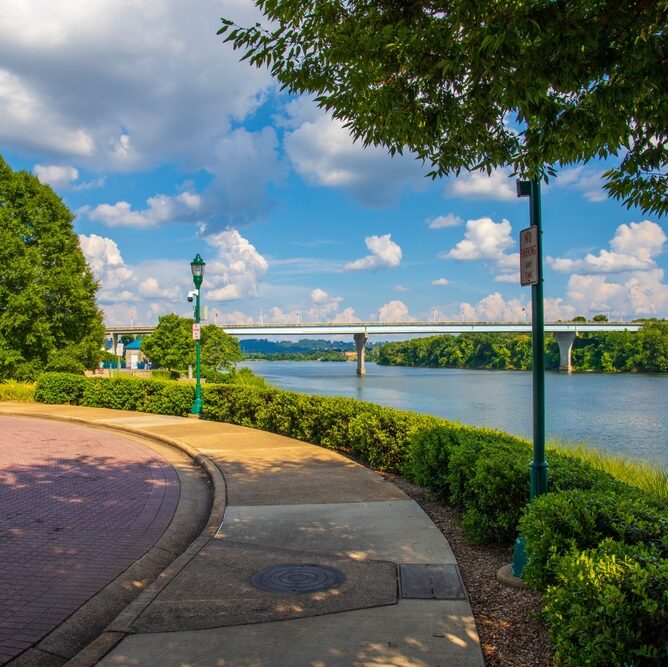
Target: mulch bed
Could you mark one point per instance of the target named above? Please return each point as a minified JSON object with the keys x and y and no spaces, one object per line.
{"x":511,"y":632}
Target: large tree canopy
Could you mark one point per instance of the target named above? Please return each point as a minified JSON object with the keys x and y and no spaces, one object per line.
{"x":48,"y":314}
{"x":480,"y":84}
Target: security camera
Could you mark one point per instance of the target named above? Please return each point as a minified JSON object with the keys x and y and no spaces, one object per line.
{"x":192,"y":294}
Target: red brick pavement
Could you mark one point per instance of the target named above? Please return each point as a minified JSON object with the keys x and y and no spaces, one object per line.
{"x":77,"y":507}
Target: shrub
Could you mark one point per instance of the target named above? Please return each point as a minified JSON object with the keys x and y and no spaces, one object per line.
{"x":558,"y":523}
{"x":486,"y":473}
{"x":609,"y":607}
{"x":10,"y":390}
{"x":60,"y":388}
{"x":378,"y":436}
{"x":429,"y":459}
{"x":116,"y":392}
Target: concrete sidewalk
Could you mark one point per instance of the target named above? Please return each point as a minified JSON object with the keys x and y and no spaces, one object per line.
{"x":308,"y":559}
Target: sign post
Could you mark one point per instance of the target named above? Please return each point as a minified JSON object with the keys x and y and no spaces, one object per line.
{"x":531,"y":273}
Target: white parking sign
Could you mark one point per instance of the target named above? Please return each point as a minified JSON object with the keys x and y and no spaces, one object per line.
{"x":529,"y":256}
{"x":196,"y":332}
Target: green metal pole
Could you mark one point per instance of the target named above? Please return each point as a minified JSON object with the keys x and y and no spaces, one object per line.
{"x":197,"y":405}
{"x":539,"y":464}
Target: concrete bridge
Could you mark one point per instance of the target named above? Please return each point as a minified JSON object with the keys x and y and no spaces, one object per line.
{"x":564,"y":332}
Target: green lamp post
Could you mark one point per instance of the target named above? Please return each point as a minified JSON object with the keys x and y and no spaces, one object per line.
{"x":197,"y":268}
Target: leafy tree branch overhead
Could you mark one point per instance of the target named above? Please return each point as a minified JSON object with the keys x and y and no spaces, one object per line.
{"x":477,"y":84}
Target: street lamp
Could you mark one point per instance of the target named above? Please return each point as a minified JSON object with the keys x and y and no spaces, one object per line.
{"x":197,"y":268}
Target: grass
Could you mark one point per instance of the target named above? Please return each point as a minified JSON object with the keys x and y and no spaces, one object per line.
{"x":10,"y":390}
{"x":650,"y":477}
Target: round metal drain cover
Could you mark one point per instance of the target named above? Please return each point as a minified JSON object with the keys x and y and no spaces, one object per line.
{"x":297,"y":578}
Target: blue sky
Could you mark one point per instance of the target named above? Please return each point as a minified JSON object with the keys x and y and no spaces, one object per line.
{"x":164,"y":145}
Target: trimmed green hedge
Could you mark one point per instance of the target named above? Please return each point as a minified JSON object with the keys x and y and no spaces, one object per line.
{"x":486,"y":473}
{"x":557,"y":524}
{"x":373,"y":434}
{"x":122,"y":393}
{"x":609,"y":607}
{"x":60,"y":388}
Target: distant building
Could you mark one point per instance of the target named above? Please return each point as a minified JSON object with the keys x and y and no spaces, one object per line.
{"x":134,"y":357}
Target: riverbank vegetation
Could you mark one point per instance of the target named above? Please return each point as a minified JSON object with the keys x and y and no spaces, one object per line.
{"x":609,"y":352}
{"x":595,"y":543}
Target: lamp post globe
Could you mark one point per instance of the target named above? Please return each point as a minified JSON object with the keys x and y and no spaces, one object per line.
{"x":197,"y":268}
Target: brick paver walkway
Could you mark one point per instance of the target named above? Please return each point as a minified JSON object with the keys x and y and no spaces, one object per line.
{"x":77,"y":507}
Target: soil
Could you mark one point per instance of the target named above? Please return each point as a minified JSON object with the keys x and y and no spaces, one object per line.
{"x":508,"y":619}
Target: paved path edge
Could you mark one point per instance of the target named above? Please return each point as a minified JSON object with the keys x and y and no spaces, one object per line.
{"x":119,"y":628}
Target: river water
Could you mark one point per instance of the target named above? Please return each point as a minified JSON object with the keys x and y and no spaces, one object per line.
{"x":623,"y":414}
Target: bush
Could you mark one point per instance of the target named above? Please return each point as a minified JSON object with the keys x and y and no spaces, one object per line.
{"x":17,"y":391}
{"x":378,"y":436}
{"x":609,"y":607}
{"x":430,"y":454}
{"x":486,"y":473}
{"x":60,"y":388}
{"x":558,"y":523}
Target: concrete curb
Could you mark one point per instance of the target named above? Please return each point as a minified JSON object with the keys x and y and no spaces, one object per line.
{"x":120,"y":627}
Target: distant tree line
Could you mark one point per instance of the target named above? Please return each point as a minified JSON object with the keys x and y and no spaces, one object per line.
{"x":262,"y":346}
{"x":609,"y":352}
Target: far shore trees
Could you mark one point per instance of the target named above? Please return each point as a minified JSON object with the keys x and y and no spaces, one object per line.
{"x":49,"y":319}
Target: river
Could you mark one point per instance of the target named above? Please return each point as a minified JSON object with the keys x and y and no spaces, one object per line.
{"x":624,"y":414}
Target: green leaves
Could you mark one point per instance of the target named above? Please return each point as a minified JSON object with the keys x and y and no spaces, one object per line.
{"x":47,"y":291}
{"x":448,"y":80}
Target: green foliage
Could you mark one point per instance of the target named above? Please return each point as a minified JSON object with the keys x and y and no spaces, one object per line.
{"x":556,"y":524}
{"x":441,"y":79}
{"x":376,"y":435}
{"x":170,"y":345}
{"x":10,"y":390}
{"x":47,"y":291}
{"x":60,"y":388}
{"x":219,"y":350}
{"x":608,"y":351}
{"x":609,"y":607}
{"x":429,"y":459}
{"x":486,"y":473}
{"x":122,"y":393}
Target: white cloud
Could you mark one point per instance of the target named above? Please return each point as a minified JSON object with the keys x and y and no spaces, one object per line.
{"x":55,"y":175}
{"x":473,"y":185}
{"x":126,"y":86}
{"x":440,"y":282}
{"x":584,"y":179}
{"x":133,"y":61}
{"x":323,"y":153}
{"x":237,"y":269}
{"x":483,"y":239}
{"x":442,"y":221}
{"x":150,"y":288}
{"x":385,"y":253}
{"x":160,"y":210}
{"x":642,"y":294}
{"x":633,"y":248}
{"x":494,"y":308}
{"x":400,"y":289}
{"x":395,"y":311}
{"x":117,"y":280}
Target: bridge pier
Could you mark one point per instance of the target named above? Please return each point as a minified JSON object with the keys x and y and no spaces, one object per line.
{"x":565,"y":341}
{"x":360,"y":343}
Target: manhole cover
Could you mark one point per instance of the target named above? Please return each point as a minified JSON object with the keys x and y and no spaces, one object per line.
{"x":297,"y":578}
